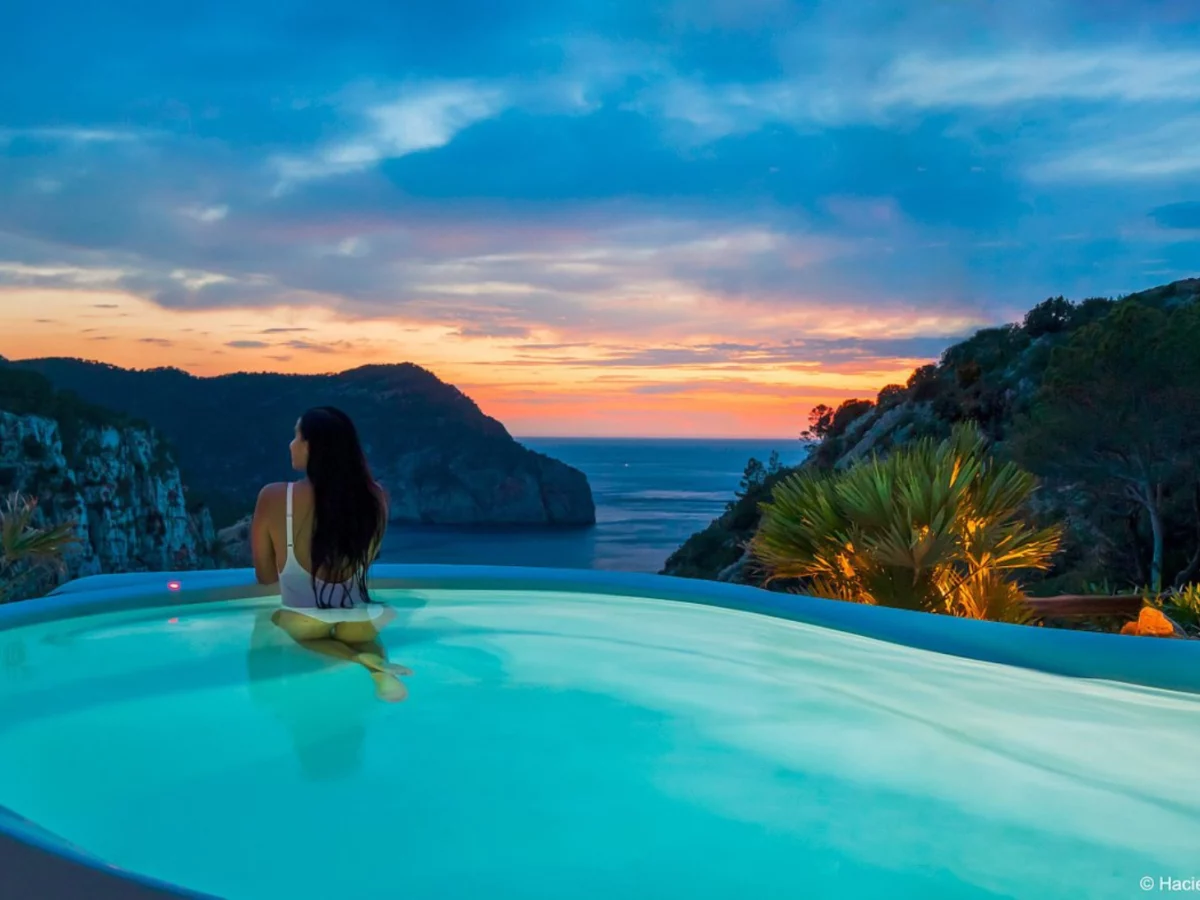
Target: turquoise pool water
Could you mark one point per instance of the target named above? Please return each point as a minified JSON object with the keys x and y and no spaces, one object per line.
{"x":584,"y":746}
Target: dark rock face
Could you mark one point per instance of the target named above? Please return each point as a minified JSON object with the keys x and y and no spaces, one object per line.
{"x":233,"y":543}
{"x":119,"y":486}
{"x":440,"y":458}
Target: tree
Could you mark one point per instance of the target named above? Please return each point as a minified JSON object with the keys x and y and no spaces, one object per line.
{"x":820,"y":418}
{"x":755,"y":475}
{"x":891,"y":395}
{"x":752,"y":476}
{"x":934,"y":526}
{"x":1118,"y":412}
{"x":1089,"y":310}
{"x":923,"y":383}
{"x":827,"y":422}
{"x":26,"y":550}
{"x":1049,"y":317}
{"x":774,"y":463}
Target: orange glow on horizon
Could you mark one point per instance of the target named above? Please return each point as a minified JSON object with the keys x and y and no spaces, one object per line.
{"x":531,"y":384}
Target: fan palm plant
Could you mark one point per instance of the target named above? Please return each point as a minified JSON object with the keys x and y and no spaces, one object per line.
{"x":26,"y":549}
{"x":934,"y":526}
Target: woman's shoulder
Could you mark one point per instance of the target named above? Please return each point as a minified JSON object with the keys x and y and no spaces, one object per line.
{"x":272,"y":492}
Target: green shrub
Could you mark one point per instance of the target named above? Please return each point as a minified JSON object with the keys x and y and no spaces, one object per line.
{"x":27,"y":550}
{"x":934,"y":526}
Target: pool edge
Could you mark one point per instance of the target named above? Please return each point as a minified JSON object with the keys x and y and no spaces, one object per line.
{"x":50,"y":867}
{"x":1170,"y":664}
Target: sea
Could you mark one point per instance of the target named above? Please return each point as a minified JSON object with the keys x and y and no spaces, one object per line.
{"x":651,"y":495}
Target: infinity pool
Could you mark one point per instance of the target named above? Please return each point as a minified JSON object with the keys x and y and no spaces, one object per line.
{"x":574,"y":745}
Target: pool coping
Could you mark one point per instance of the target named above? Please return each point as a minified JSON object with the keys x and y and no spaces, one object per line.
{"x":1168,"y":664}
{"x":47,"y":866}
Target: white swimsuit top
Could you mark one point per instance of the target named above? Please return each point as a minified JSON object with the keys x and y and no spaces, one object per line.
{"x":295,"y":584}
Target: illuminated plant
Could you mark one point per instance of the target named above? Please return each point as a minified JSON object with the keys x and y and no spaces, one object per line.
{"x":934,"y":526}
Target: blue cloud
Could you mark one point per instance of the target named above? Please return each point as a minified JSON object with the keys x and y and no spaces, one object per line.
{"x":543,"y":158}
{"x":1184,"y":215}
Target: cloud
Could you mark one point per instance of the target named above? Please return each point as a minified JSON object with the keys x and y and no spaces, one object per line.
{"x":1145,"y":79}
{"x":309,"y":346}
{"x":198,"y":280}
{"x":1123,"y":73}
{"x":1165,"y":151}
{"x":71,"y":135}
{"x":246,"y":345}
{"x":351,"y":246}
{"x":818,"y":353}
{"x":493,"y":330}
{"x":282,"y":330}
{"x":746,"y":386}
{"x":1184,"y":215}
{"x":160,"y":342}
{"x":105,"y":306}
{"x":21,"y":273}
{"x":206,"y":214}
{"x":421,"y":117}
{"x":711,"y":177}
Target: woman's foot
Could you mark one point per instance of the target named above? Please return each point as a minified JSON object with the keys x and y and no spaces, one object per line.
{"x":377,"y":664}
{"x":388,"y":687}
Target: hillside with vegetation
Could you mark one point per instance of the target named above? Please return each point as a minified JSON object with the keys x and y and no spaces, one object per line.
{"x":1099,"y":399}
{"x":441,"y":458}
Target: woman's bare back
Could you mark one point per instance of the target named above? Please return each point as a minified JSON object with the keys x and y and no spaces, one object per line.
{"x":302,"y":527}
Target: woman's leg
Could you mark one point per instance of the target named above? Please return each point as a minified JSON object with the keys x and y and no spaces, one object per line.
{"x":363,"y":636}
{"x":320,"y":637}
{"x":317,"y":635}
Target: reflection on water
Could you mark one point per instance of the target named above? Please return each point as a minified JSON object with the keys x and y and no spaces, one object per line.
{"x":324,"y":712}
{"x":15,"y":660}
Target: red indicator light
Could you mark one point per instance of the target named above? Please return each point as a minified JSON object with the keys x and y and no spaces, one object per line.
{"x":172,"y":585}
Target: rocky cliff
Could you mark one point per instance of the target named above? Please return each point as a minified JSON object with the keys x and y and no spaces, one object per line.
{"x":441,"y":459}
{"x":120,"y":486}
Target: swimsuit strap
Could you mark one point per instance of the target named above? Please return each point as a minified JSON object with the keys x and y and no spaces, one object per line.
{"x":289,"y":518}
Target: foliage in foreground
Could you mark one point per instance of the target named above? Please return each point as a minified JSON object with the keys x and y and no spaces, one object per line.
{"x":934,"y":526}
{"x":27,"y":550}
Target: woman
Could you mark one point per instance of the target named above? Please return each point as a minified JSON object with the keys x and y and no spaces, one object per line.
{"x":316,"y":538}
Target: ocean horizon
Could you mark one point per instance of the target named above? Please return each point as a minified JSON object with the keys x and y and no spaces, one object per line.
{"x":651,"y":495}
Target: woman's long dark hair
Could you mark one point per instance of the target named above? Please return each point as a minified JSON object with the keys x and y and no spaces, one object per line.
{"x":348,"y":511}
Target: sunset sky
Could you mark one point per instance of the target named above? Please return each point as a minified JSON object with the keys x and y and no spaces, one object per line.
{"x":631,"y":217}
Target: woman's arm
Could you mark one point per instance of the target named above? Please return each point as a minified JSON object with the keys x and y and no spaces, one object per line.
{"x":261,"y":547}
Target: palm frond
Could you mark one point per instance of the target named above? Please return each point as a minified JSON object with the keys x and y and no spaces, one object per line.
{"x":936,"y":526}
{"x":25,"y":548}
